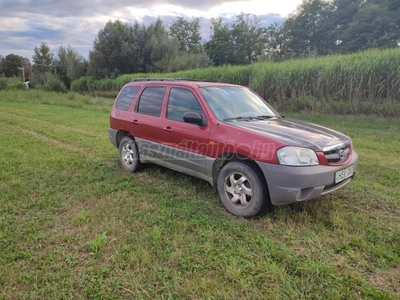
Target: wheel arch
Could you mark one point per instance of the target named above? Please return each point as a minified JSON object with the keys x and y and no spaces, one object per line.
{"x":121,"y":134}
{"x":225,"y":158}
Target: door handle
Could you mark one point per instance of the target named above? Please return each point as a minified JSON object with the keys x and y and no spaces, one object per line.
{"x":168,"y":129}
{"x":135,"y":122}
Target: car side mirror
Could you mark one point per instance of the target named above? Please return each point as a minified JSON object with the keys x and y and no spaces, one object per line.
{"x":194,"y":118}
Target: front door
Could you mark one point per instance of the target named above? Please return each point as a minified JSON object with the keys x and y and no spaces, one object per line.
{"x":184,"y":145}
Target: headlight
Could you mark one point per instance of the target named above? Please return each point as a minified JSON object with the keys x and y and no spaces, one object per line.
{"x":296,"y":156}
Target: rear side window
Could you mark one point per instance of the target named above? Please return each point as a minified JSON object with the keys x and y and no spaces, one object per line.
{"x":150,"y":101}
{"x":126,"y":97}
{"x":181,"y":101}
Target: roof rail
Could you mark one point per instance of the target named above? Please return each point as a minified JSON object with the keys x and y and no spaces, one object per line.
{"x":154,"y":79}
{"x":166,"y":79}
{"x":191,"y":79}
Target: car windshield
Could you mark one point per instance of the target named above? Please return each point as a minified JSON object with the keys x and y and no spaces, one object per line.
{"x":236,"y":103}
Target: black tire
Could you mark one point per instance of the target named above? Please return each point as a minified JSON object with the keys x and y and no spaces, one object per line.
{"x":129,"y":155}
{"x":242,"y":189}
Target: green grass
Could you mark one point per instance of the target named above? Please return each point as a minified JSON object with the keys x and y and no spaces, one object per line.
{"x":74,"y":225}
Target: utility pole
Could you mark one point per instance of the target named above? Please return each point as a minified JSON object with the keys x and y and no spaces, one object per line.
{"x":23,"y":73}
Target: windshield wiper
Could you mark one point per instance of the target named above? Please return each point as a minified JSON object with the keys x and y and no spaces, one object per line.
{"x":249,"y":118}
{"x":263,"y":117}
{"x":240,"y":119}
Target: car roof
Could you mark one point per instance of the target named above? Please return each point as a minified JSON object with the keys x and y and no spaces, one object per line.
{"x":177,"y":82}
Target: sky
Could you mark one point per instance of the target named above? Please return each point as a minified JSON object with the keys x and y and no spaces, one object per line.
{"x":24,"y":24}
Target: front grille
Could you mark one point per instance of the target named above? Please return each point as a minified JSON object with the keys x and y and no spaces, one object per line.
{"x":337,"y":153}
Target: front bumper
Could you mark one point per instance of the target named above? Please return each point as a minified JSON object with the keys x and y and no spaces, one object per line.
{"x":295,"y":184}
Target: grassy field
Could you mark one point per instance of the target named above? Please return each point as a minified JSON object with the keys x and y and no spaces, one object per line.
{"x":74,"y":225}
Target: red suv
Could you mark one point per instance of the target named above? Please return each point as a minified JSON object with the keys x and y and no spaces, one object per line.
{"x":229,"y":136}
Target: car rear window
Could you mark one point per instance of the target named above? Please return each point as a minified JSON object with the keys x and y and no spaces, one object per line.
{"x":150,"y":101}
{"x":126,"y":97}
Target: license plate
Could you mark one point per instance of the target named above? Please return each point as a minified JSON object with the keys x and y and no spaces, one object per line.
{"x":344,"y":174}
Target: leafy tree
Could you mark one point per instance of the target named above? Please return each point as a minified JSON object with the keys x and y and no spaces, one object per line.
{"x":188,"y":34}
{"x":121,"y":48}
{"x":276,"y":48}
{"x":241,"y":42}
{"x":1,"y":64}
{"x":12,"y":65}
{"x":138,"y":41}
{"x":249,"y":39}
{"x":70,"y":65}
{"x":393,"y":10}
{"x":160,"y":49}
{"x":190,"y":54}
{"x":310,"y":30}
{"x":376,"y":25}
{"x":343,"y":14}
{"x":111,"y":50}
{"x":322,"y":27}
{"x":220,"y":47}
{"x":42,"y":58}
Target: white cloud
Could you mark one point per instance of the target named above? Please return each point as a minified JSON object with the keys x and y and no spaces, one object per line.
{"x":257,"y":7}
{"x":9,"y":24}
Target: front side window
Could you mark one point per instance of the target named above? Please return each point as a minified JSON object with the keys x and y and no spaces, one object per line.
{"x":234,"y":102}
{"x":181,"y":101}
{"x":150,"y":101}
{"x":126,"y":97}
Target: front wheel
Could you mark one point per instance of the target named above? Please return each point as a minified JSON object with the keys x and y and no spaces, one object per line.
{"x":242,"y":189}
{"x":128,"y":155}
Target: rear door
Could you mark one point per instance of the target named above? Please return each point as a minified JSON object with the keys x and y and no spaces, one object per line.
{"x":184,"y":145}
{"x":145,"y":124}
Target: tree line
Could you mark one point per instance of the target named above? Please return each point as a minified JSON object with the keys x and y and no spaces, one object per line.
{"x":317,"y":27}
{"x":320,"y":27}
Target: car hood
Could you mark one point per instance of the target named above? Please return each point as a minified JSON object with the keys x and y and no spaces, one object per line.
{"x":294,"y":132}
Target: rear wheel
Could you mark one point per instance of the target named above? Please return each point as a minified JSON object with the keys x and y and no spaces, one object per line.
{"x":129,"y":155}
{"x":242,"y":189}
